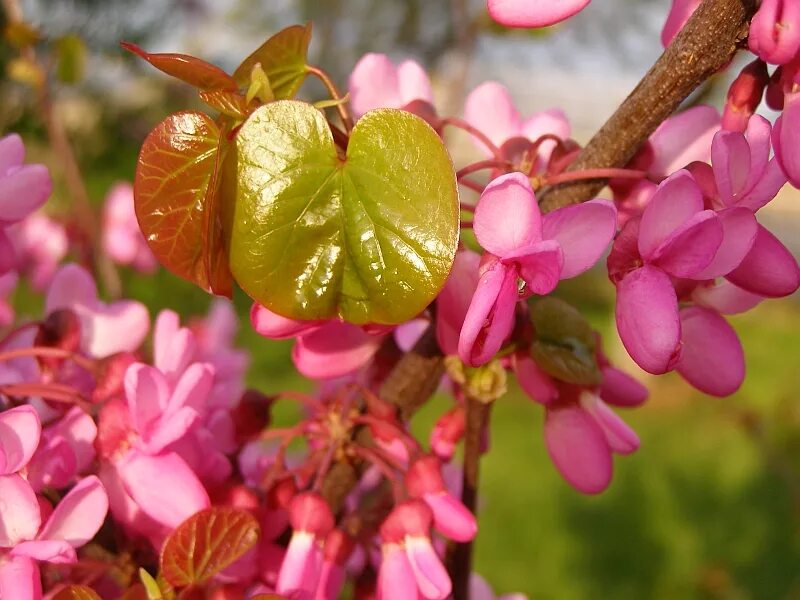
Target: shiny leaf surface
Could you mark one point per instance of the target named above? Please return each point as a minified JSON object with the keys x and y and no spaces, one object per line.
{"x":189,"y":69}
{"x":230,"y":104}
{"x":206,"y":543}
{"x":173,"y":176}
{"x":76,"y":592}
{"x":368,"y":238}
{"x":283,"y":59}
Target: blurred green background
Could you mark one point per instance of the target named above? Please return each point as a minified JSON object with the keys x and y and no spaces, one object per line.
{"x":709,"y":507}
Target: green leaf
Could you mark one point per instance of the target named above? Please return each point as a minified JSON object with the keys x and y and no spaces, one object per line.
{"x":207,"y":543}
{"x":174,"y":191}
{"x":151,"y":586}
{"x":283,"y":58}
{"x":565,"y":342}
{"x":71,"y":54}
{"x":369,"y":237}
{"x":189,"y":69}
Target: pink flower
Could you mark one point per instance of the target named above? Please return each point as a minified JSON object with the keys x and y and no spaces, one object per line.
{"x":8,"y":284}
{"x":23,"y":188}
{"x":775,"y":31}
{"x":311,"y":521}
{"x":784,"y":134}
{"x":522,"y":245}
{"x":20,"y":431}
{"x":377,"y":83}
{"x":40,"y":244}
{"x":323,"y":350}
{"x":75,"y":521}
{"x":489,"y":109}
{"x":675,"y":237}
{"x":533,"y":13}
{"x":410,"y":567}
{"x":105,"y":328}
{"x":450,"y":517}
{"x":67,"y":449}
{"x":678,"y":15}
{"x":122,"y":239}
{"x":745,"y":95}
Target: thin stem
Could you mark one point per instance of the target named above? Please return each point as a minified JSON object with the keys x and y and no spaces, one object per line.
{"x":49,"y":391}
{"x":483,"y":164}
{"x":473,"y":185}
{"x":466,"y":224}
{"x":460,"y":560}
{"x":484,"y":139}
{"x":595,"y":174}
{"x":324,"y":466}
{"x":45,"y":352}
{"x":344,"y":111}
{"x":372,"y":457}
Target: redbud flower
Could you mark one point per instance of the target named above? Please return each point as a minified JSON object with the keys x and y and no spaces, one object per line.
{"x":67,"y":449}
{"x":775,"y":31}
{"x":447,"y":432}
{"x":8,"y":283}
{"x":454,"y":299}
{"x":521,"y":245}
{"x":105,"y":328}
{"x":450,"y":517}
{"x":338,"y":547}
{"x":744,"y":96}
{"x":533,"y":13}
{"x":23,"y":188}
{"x":410,"y":566}
{"x":489,"y":109}
{"x":377,"y":83}
{"x":785,"y":132}
{"x":122,"y":238}
{"x":311,"y":521}
{"x":40,"y":244}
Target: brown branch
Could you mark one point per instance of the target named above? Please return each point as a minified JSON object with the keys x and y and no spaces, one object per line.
{"x":704,"y":45}
{"x":460,"y":555}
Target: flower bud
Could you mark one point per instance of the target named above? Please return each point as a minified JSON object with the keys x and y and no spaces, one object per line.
{"x":447,"y":432}
{"x":744,"y":96}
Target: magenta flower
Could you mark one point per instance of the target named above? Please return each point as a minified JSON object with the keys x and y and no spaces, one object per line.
{"x":8,"y":283}
{"x":489,"y":109}
{"x":533,"y":13}
{"x":525,"y":249}
{"x":122,"y":239}
{"x":75,"y":521}
{"x":675,"y":237}
{"x":23,"y":188}
{"x":410,"y":566}
{"x":775,"y":31}
{"x":40,"y":244}
{"x":784,"y":134}
{"x":101,"y":324}
{"x":377,"y":83}
{"x":323,"y":349}
{"x":20,"y":432}
{"x":454,"y":299}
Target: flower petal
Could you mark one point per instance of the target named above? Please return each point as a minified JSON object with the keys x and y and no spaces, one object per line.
{"x":647,"y":318}
{"x":739,"y":228}
{"x":507,"y":217}
{"x":692,"y":247}
{"x":432,"y":578}
{"x":725,"y":298}
{"x":79,"y":515}
{"x":454,"y":300}
{"x":334,"y":350}
{"x":583,"y":231}
{"x":787,"y":151}
{"x":52,"y":551}
{"x":20,"y":430}
{"x":20,"y":579}
{"x":533,"y":13}
{"x":578,"y":449}
{"x":490,"y":110}
{"x":147,"y":392}
{"x":769,"y":269}
{"x":413,"y":83}
{"x":620,"y":437}
{"x":23,"y":191}
{"x":677,"y":199}
{"x":276,"y":327}
{"x":12,"y":152}
{"x":684,"y":138}
{"x":373,"y":84}
{"x":20,"y":518}
{"x":535,"y":383}
{"x":712,"y":359}
{"x":620,"y":389}
{"x":450,"y":517}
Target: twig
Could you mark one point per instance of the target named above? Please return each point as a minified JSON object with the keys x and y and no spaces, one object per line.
{"x":705,"y":44}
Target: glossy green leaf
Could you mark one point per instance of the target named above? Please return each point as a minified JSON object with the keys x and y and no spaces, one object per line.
{"x":369,"y":238}
{"x":189,"y":69}
{"x":565,"y":342}
{"x":207,"y":543}
{"x":283,"y":58}
{"x":173,"y":189}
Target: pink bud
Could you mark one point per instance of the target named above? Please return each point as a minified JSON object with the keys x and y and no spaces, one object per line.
{"x":775,"y":31}
{"x":447,"y":432}
{"x":744,"y":96}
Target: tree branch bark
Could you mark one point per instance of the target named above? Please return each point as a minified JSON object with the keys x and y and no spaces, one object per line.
{"x":707,"y":42}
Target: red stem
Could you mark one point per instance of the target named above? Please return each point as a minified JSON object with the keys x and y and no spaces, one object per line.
{"x":483,"y":164}
{"x":462,"y":124}
{"x":473,"y":185}
{"x":46,"y":352}
{"x":595,"y":174}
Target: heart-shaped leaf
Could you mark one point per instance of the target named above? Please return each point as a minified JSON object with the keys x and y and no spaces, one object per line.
{"x":368,"y":237}
{"x":230,"y":104}
{"x":76,"y":592}
{"x":175,"y":189}
{"x":190,"y":69}
{"x":283,"y":58}
{"x":565,"y":342}
{"x":206,"y":543}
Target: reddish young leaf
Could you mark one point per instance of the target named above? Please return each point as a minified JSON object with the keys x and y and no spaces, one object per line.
{"x":230,"y":104}
{"x":173,"y":176}
{"x":206,"y":544}
{"x":76,"y":592}
{"x":190,"y":69}
{"x":283,"y":59}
